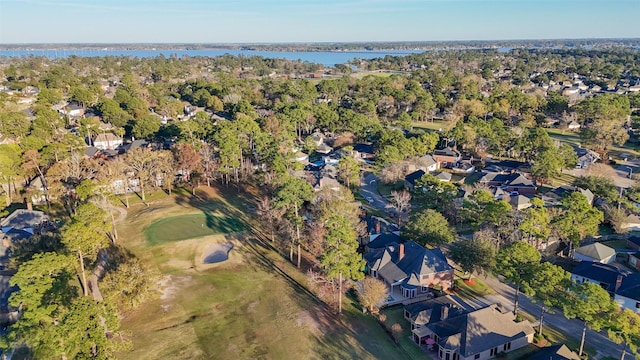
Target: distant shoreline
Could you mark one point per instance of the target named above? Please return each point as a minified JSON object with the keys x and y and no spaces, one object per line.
{"x":336,"y":46}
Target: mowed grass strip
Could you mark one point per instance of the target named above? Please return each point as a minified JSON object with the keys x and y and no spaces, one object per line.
{"x":189,"y":226}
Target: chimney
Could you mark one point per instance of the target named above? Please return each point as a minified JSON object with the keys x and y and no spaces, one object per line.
{"x":444,"y":312}
{"x":618,"y":283}
{"x":377,"y":226}
{"x":400,"y":251}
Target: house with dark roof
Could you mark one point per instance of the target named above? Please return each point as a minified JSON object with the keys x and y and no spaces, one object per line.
{"x":364,"y":151}
{"x":555,"y":352}
{"x":628,"y":294}
{"x":410,"y":179}
{"x":586,"y":157}
{"x":605,"y":275}
{"x":381,"y":241}
{"x":477,"y":335}
{"x":634,"y":260}
{"x":513,"y":182}
{"x":433,"y":310}
{"x":507,"y":166}
{"x":554,"y":196}
{"x":410,"y":270}
{"x":446,"y":157}
{"x":595,"y":252}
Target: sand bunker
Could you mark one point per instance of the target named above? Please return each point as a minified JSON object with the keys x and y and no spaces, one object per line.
{"x":216,"y":253}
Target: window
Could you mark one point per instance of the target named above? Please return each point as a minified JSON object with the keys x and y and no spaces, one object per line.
{"x":494,"y":351}
{"x":440,"y":353}
{"x":424,"y":289}
{"x":448,"y":356}
{"x":374,"y":273}
{"x":506,"y":346}
{"x":477,"y":356}
{"x":637,"y":305}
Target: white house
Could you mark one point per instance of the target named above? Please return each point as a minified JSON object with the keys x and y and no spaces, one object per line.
{"x":106,"y":141}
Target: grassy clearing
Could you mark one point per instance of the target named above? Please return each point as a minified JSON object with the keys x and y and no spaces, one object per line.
{"x":615,"y":244}
{"x":385,"y":189}
{"x":255,"y":307}
{"x":472,"y":291}
{"x":435,"y":125}
{"x":189,"y":226}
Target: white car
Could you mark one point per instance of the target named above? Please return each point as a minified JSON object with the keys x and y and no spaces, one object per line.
{"x":370,"y":199}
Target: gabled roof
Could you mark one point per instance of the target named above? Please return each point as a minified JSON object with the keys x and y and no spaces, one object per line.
{"x":416,"y":308}
{"x":444,"y":176}
{"x":383,"y":240}
{"x":518,"y":180}
{"x":596,"y":251}
{"x":448,"y":151}
{"x":480,"y":330}
{"x":603,"y":273}
{"x":630,"y":287}
{"x":416,"y":175}
{"x":417,"y":261}
{"x":556,"y":352}
{"x":91,"y":151}
{"x":520,"y":200}
{"x":106,"y":137}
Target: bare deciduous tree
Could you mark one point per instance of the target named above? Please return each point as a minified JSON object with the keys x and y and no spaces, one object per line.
{"x":401,"y":203}
{"x":371,"y":293}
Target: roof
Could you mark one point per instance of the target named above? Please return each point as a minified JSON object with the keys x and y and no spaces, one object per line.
{"x":23,"y":219}
{"x":383,"y":240}
{"x":520,"y":200}
{"x":416,"y":175}
{"x":448,"y":151}
{"x":417,"y":261}
{"x":474,"y":332}
{"x":603,"y":273}
{"x":596,"y":251}
{"x":437,"y":311}
{"x":556,"y":352}
{"x":508,"y":165}
{"x":91,"y":151}
{"x":444,"y":176}
{"x":416,"y":308}
{"x":106,"y":137}
{"x":427,"y":161}
{"x":134,"y":144}
{"x":364,"y":148}
{"x":513,"y":179}
{"x":630,"y":287}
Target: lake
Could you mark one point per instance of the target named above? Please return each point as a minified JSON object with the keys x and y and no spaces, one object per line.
{"x":326,"y":58}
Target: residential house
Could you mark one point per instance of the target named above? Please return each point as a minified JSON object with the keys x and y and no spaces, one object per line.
{"x":427,"y":163}
{"x":446,"y":157}
{"x":574,"y":125}
{"x":520,"y":202}
{"x":555,"y":352}
{"x":554,"y":196}
{"x":463,"y":168}
{"x":136,"y":143}
{"x":478,"y":335}
{"x":106,"y":141}
{"x":512,"y":183}
{"x":410,"y":269}
{"x":20,"y":224}
{"x":410,"y":180}
{"x":324,"y":149}
{"x":74,"y":110}
{"x":586,"y":157}
{"x":365,"y":151}
{"x":433,"y":310}
{"x":628,"y":294}
{"x":377,"y":226}
{"x":631,"y":223}
{"x":634,"y":260}
{"x":605,"y":275}
{"x":381,"y":241}
{"x":443,"y":176}
{"x":595,"y":252}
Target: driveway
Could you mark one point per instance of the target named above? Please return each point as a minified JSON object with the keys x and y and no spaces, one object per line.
{"x":599,"y":340}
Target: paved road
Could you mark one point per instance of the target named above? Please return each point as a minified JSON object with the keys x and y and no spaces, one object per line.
{"x":370,"y":189}
{"x":504,"y":295}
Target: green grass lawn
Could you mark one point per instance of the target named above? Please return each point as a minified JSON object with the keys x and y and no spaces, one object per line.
{"x":257,"y":307}
{"x":190,"y":226}
{"x":615,"y":244}
{"x":386,"y":189}
{"x":468,"y":291}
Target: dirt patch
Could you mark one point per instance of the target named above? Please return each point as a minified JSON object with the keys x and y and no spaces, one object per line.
{"x":169,"y":285}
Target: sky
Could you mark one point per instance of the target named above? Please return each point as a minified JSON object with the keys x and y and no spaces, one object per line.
{"x":277,"y":21}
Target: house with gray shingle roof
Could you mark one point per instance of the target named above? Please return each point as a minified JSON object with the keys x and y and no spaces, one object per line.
{"x":478,"y":335}
{"x":409,"y":269}
{"x":556,"y":352}
{"x":596,"y":252}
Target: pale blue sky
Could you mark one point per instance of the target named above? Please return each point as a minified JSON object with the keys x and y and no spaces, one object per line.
{"x":257,"y":21}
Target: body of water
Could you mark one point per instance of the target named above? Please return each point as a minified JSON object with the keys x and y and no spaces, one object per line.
{"x":326,"y":58}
